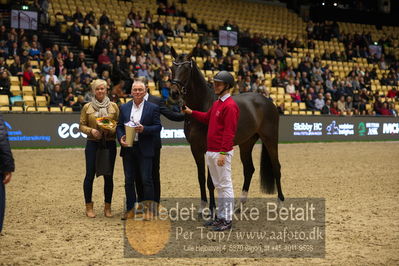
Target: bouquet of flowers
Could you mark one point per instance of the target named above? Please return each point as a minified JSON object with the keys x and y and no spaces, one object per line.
{"x":106,"y":123}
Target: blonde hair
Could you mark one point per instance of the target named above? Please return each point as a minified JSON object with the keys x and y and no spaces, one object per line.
{"x":96,"y":83}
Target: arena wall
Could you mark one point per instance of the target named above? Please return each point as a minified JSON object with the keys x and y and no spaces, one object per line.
{"x":62,"y":130}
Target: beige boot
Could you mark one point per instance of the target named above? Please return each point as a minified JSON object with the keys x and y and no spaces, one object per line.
{"x":89,"y":210}
{"x":107,"y":210}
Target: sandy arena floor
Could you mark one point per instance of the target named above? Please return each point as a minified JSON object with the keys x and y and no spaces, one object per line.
{"x":45,"y":222}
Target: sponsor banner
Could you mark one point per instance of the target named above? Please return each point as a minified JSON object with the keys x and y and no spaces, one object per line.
{"x":334,"y":128}
{"x":60,"y":130}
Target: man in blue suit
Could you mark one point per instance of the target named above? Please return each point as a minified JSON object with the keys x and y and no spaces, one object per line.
{"x":137,"y":160}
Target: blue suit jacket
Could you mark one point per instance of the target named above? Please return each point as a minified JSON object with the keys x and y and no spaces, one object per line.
{"x":152,"y":126}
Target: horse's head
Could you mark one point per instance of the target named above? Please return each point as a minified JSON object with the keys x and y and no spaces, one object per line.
{"x":181,"y":73}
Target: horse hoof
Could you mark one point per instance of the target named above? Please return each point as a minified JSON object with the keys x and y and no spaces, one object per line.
{"x":281,"y":197}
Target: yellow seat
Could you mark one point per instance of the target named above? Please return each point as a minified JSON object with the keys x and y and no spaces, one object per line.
{"x":302,"y":113}
{"x":28,"y":100}
{"x":4,"y":101}
{"x":14,"y":80}
{"x":41,"y":101}
{"x":42,"y":109}
{"x":17,"y":109}
{"x":27,"y":90}
{"x":55,"y":109}
{"x":30,"y":109}
{"x":4,"y":108}
{"x":302,"y":106}
{"x":15,"y":90}
{"x":287,"y":106}
{"x":67,"y":109}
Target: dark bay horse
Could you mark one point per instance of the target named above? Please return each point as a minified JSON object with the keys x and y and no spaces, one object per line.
{"x":259,"y":118}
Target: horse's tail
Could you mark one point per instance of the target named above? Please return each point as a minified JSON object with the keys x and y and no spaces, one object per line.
{"x":267,"y":178}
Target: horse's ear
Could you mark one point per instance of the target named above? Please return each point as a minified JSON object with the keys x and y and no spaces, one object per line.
{"x":191,"y":54}
{"x":173,"y":51}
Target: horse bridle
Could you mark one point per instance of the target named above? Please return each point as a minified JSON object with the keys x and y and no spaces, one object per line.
{"x":178,"y":82}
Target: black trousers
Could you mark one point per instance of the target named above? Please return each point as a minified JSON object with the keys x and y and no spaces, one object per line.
{"x":2,"y":201}
{"x":156,"y":160}
{"x":90,"y":154}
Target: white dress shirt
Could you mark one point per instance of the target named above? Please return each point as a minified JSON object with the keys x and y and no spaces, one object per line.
{"x":135,"y":115}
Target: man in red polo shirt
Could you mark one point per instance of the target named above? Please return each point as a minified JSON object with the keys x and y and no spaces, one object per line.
{"x":222,"y":120}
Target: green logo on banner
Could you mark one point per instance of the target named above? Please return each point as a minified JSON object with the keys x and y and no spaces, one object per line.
{"x":362,"y":129}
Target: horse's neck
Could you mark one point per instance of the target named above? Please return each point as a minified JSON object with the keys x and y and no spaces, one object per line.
{"x":199,"y":96}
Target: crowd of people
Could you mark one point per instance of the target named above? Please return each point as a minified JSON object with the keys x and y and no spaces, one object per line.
{"x":65,"y":76}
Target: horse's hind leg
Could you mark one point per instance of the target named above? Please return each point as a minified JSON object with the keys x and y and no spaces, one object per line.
{"x":248,"y":165}
{"x":211,"y":188}
{"x":269,"y":139}
{"x":200,"y":161}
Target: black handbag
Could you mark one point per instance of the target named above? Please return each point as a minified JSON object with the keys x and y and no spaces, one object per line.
{"x":103,"y":160}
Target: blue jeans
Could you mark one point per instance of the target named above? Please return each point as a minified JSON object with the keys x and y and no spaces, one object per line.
{"x":136,"y":166}
{"x":2,"y":201}
{"x":90,"y":155}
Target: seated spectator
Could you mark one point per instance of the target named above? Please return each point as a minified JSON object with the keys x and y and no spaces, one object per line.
{"x":362,"y":110}
{"x":118,"y":90}
{"x":103,"y":60}
{"x":137,"y":22}
{"x":77,"y":107}
{"x":86,"y":29}
{"x":341,"y":105}
{"x":384,"y":109}
{"x":378,"y":105}
{"x":78,"y":15}
{"x":334,"y":109}
{"x":56,"y":97}
{"x":75,"y":33}
{"x":349,"y":104}
{"x":188,"y":27}
{"x":296,"y":97}
{"x":91,"y":17}
{"x":104,"y":19}
{"x":326,"y":108}
{"x":165,"y":48}
{"x":69,"y":97}
{"x":34,"y":51}
{"x":47,"y":66}
{"x":41,"y":88}
{"x":319,"y":101}
{"x":5,"y":83}
{"x":70,"y":63}
{"x":129,"y":21}
{"x":62,"y":76}
{"x":310,"y":106}
{"x":392,"y":110}
{"x":28,"y":78}
{"x":290,"y":88}
{"x":143,"y":72}
{"x":16,"y":67}
{"x":392,"y":93}
{"x":51,"y":78}
{"x":161,"y":10}
{"x":95,"y":29}
{"x":14,"y":50}
{"x":4,"y":52}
